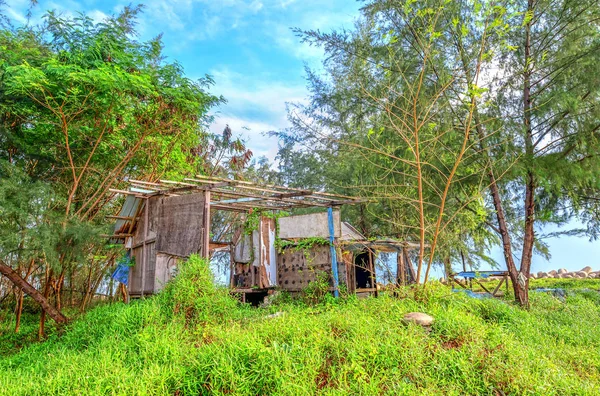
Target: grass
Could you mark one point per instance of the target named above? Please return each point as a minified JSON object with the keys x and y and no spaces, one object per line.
{"x":194,"y":339}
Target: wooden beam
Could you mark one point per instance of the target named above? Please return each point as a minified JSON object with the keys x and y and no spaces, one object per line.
{"x":116,"y":235}
{"x":139,"y":195}
{"x":121,"y":217}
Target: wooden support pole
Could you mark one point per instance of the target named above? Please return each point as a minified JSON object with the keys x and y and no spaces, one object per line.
{"x":144,"y":251}
{"x":231,"y":266}
{"x":260,"y":252}
{"x":411,"y":268}
{"x":401,"y":269}
{"x":206,"y":226}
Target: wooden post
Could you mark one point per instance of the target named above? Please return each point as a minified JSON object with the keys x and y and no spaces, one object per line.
{"x":144,"y":252}
{"x":206,"y":226}
{"x":371,"y":264}
{"x":400,"y":272}
{"x":231,"y":265}
{"x":411,"y":268}
{"x":260,"y":252}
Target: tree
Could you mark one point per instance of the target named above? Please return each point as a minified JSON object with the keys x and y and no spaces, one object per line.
{"x":84,"y":106}
{"x":546,"y":107}
{"x":396,"y":110}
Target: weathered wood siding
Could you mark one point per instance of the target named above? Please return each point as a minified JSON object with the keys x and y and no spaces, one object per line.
{"x":180,"y":225}
{"x":297,"y":269}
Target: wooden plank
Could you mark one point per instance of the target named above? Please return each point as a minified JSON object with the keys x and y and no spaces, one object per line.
{"x":270,"y":187}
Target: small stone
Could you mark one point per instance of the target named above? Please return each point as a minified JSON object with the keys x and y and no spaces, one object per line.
{"x":587,"y":269}
{"x":418,"y":318}
{"x":562,"y":271}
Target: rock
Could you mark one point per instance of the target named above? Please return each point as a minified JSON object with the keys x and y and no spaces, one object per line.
{"x":418,"y":318}
{"x":552,"y":273}
{"x":582,"y":274}
{"x":532,"y":276}
{"x":562,"y":271}
{"x":540,"y":274}
{"x":562,"y":275}
{"x":587,"y":269}
{"x":568,"y":276}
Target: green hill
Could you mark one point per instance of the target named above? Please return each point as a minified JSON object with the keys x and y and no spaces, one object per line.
{"x":195,"y":339}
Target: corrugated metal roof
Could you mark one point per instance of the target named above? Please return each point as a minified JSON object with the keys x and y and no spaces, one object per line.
{"x":130,"y":209}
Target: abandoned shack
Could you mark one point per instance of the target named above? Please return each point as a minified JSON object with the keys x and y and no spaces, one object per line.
{"x":164,"y":223}
{"x":288,"y":253}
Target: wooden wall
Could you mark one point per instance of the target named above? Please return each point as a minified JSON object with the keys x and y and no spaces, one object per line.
{"x":297,"y":269}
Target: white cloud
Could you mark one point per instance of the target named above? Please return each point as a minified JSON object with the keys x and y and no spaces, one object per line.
{"x":255,"y":107}
{"x":253,"y":132}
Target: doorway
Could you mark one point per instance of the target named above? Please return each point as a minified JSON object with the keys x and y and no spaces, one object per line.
{"x":362,"y":271}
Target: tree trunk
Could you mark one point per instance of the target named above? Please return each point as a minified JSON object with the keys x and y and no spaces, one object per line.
{"x":522,"y":284}
{"x":20,"y":298}
{"x":58,"y":290}
{"x":47,"y":286}
{"x":447,"y":267}
{"x":497,"y":200}
{"x":55,"y":314}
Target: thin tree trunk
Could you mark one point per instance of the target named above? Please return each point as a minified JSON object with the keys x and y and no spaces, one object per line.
{"x":494,"y":191}
{"x":46,"y":294}
{"x":20,"y":298}
{"x":9,"y":273}
{"x":522,"y":284}
{"x":58,"y":289}
{"x":447,"y":267}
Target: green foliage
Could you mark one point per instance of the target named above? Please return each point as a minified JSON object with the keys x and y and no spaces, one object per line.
{"x":304,"y":244}
{"x":194,"y":295}
{"x":316,"y":290}
{"x":360,"y":347}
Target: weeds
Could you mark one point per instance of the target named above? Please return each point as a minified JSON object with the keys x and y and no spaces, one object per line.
{"x":195,"y":339}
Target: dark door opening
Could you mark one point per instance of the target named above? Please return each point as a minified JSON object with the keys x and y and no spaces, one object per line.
{"x":362,"y":271}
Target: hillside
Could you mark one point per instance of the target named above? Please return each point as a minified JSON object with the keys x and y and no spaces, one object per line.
{"x":194,"y":339}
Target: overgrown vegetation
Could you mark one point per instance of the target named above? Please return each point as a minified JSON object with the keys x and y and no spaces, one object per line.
{"x":196,"y":339}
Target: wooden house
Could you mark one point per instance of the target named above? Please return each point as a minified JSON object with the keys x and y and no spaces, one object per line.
{"x":164,"y":223}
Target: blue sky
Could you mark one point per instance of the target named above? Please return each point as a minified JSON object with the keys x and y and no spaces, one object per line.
{"x":245,"y":45}
{"x":258,"y":65}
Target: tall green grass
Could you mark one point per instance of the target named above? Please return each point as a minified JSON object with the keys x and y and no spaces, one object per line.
{"x":195,"y":339}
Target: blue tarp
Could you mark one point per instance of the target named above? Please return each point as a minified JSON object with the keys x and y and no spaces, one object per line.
{"x":471,"y":293}
{"x":480,"y":274}
{"x":121,"y":273}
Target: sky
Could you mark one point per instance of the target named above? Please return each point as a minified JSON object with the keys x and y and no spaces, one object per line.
{"x":258,"y":65}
